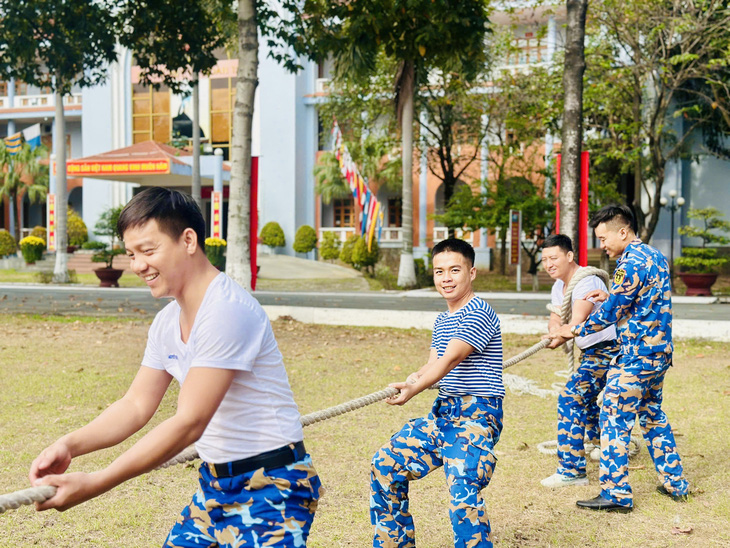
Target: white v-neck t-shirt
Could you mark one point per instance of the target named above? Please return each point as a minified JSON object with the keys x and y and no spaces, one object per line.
{"x":231,"y":331}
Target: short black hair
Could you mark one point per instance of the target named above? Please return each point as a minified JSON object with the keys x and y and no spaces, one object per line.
{"x":173,"y":210}
{"x":558,"y":240}
{"x":621,"y":214}
{"x":454,"y":245}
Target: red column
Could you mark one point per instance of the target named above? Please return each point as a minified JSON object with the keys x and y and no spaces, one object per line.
{"x":254,"y":218}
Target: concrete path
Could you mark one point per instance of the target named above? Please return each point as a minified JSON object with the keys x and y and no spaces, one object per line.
{"x":284,"y":267}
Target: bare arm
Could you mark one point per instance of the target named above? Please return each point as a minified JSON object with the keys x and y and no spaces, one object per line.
{"x":200,"y":396}
{"x":456,"y":352}
{"x":432,"y":357}
{"x":119,"y":421}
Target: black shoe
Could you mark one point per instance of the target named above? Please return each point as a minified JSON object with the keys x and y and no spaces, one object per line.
{"x":599,"y":503}
{"x":675,"y":497}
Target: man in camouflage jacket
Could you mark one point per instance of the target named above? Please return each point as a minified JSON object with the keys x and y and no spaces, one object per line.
{"x":641,"y":308}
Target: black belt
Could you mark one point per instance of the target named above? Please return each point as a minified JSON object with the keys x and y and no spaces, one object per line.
{"x":276,"y":458}
{"x":602,"y":344}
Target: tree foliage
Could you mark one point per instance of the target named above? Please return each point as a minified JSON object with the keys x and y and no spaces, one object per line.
{"x":58,"y":45}
{"x":22,"y":174}
{"x":417,"y":35}
{"x":646,"y":60}
{"x":174,"y":41}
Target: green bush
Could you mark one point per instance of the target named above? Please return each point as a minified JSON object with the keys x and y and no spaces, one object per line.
{"x":386,"y":277}
{"x":424,"y":276}
{"x":8,"y":246}
{"x":39,"y":232}
{"x":362,"y":257}
{"x":329,"y":246}
{"x":32,"y":248}
{"x":305,"y":240}
{"x":76,"y":229}
{"x":92,"y":244}
{"x":272,"y":235}
{"x":346,"y":251}
{"x":700,"y":260}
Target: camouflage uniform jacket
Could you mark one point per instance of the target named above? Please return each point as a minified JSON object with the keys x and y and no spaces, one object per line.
{"x":640,"y":303}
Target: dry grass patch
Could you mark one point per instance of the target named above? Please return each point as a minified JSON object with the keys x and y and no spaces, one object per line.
{"x":56,"y":375}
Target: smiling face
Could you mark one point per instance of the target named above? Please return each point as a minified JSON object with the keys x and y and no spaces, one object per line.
{"x":557,"y":262}
{"x":614,"y":238}
{"x":452,"y":276}
{"x":158,"y":259}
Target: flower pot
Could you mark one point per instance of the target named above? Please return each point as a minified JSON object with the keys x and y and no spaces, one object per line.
{"x":108,"y":277}
{"x":698,"y":284}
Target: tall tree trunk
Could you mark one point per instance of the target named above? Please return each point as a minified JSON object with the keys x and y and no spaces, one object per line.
{"x":196,"y":191}
{"x":572,"y":131}
{"x":238,"y":255}
{"x":637,"y":140}
{"x":60,"y":269}
{"x":14,"y":218}
{"x":407,"y":268}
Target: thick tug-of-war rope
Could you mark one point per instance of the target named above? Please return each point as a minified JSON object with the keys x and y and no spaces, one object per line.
{"x":45,"y":492}
{"x":565,"y":312}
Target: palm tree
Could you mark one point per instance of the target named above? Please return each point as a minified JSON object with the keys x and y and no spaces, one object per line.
{"x":21,"y":174}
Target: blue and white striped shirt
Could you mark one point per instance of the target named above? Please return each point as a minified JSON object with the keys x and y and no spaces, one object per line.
{"x":480,"y":374}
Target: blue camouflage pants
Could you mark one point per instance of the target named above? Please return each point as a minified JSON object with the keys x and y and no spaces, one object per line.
{"x":272,"y":508}
{"x":459,"y":434}
{"x":578,"y":409}
{"x":635,"y":387}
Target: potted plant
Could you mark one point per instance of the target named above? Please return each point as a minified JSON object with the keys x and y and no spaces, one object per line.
{"x":32,"y":248}
{"x":272,"y":235}
{"x":215,"y":250}
{"x":700,"y":265}
{"x":107,"y":226}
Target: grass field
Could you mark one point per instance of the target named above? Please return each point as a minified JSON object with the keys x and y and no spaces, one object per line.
{"x":56,"y":374}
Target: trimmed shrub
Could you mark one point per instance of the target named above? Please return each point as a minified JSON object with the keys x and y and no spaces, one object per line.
{"x":8,"y":246}
{"x":362,"y":257}
{"x":272,"y":235}
{"x":39,"y":232}
{"x":305,"y":240}
{"x":32,"y":248}
{"x":76,"y":229}
{"x":329,"y":246}
{"x":346,"y":252}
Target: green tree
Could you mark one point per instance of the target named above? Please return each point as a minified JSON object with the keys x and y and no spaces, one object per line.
{"x":57,"y":45}
{"x":22,"y":174}
{"x":418,"y":35}
{"x":490,"y":208}
{"x":174,"y":42}
{"x":642,"y":58}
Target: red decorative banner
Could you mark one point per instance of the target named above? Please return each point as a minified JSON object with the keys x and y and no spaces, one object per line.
{"x":89,"y":169}
{"x":51,"y":231}
{"x":515,"y":225}
{"x":215,"y":201}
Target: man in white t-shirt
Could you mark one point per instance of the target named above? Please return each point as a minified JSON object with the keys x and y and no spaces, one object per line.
{"x":257,"y":482}
{"x":577,"y":407}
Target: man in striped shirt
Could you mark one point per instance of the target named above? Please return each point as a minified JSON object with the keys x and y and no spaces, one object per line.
{"x":465,"y":421}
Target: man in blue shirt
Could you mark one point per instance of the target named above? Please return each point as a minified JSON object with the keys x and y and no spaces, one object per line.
{"x":640,"y":306}
{"x":465,"y":421}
